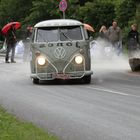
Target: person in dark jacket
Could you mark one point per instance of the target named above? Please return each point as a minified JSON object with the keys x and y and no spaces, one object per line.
{"x":133,"y":39}
{"x":11,"y":44}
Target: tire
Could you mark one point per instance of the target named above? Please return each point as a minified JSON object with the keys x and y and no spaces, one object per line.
{"x":86,"y":79}
{"x":35,"y":81}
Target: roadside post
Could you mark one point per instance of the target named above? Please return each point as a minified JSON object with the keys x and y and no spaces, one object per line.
{"x":63,"y":7}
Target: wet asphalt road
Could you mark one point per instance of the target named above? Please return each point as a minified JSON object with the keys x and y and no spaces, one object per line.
{"x":106,"y":109}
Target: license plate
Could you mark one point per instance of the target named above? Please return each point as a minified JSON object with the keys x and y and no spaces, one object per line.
{"x":61,"y":76}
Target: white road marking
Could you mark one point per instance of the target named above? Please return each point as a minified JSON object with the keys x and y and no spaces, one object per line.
{"x":108,"y":90}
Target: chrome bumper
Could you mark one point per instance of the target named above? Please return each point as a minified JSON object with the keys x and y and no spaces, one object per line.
{"x":64,"y":76}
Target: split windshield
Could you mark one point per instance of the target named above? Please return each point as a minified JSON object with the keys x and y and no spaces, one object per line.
{"x":53,"y":34}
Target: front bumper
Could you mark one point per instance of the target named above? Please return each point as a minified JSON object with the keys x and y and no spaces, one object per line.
{"x":64,"y":76}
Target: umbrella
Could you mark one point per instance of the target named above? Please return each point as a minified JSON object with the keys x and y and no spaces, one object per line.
{"x":88,"y":27}
{"x":8,"y":26}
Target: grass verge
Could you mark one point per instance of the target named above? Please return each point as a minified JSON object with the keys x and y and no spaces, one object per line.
{"x":13,"y":129}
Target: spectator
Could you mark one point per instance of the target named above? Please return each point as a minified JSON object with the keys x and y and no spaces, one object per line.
{"x":133,"y":39}
{"x":103,"y":32}
{"x":29,"y":31}
{"x":114,"y":34}
{"x":11,"y":43}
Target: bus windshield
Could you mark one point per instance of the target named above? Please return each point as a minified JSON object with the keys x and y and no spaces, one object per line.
{"x":53,"y":34}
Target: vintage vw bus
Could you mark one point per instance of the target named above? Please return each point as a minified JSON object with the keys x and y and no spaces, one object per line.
{"x":60,"y":50}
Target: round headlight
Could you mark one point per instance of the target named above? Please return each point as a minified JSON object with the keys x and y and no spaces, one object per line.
{"x":41,"y":60}
{"x":78,"y":59}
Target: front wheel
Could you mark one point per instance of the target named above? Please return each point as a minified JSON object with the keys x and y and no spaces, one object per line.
{"x":35,"y":81}
{"x":86,"y":79}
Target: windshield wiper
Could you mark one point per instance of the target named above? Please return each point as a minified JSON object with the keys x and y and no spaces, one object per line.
{"x":66,"y":36}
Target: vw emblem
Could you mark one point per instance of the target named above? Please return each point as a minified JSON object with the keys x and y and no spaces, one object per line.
{"x":59,"y":53}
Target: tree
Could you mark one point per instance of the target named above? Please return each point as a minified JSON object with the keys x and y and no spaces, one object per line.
{"x":14,"y":10}
{"x":82,"y":2}
{"x":98,"y":13}
{"x":138,"y":16}
{"x":125,"y":12}
{"x":43,"y":10}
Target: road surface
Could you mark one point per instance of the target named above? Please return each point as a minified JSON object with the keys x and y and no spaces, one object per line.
{"x":106,"y":109}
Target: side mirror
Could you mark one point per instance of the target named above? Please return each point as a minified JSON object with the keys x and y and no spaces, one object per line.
{"x":90,"y":38}
{"x":28,"y":39}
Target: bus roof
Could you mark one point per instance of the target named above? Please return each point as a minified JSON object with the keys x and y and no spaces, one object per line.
{"x":58,"y":22}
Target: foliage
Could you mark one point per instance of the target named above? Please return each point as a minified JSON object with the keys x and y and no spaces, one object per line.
{"x":125,"y":12}
{"x":14,"y":10}
{"x":43,"y":10}
{"x":91,"y":11}
{"x":73,"y":9}
{"x":137,"y":16}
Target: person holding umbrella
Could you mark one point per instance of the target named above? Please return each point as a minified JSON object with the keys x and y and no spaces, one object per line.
{"x":9,"y":31}
{"x":11,"y":43}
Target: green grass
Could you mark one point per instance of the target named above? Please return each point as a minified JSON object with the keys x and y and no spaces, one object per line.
{"x":13,"y":129}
